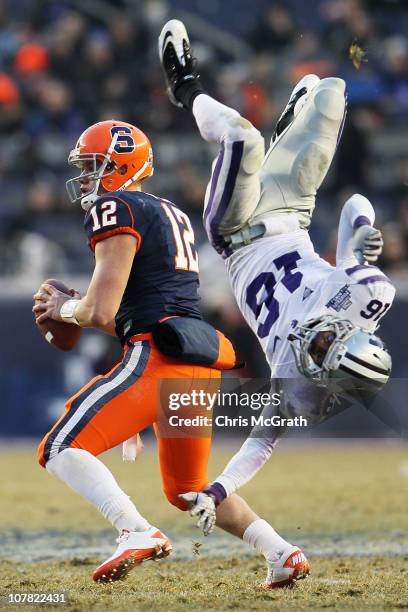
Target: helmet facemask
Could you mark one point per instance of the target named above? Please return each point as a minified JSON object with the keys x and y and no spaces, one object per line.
{"x":356,"y":362}
{"x":303,"y":336}
{"x":102,"y":167}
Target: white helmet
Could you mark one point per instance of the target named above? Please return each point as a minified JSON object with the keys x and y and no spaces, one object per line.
{"x":357,"y":359}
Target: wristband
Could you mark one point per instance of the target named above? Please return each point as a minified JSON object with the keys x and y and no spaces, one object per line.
{"x":217,"y":491}
{"x":67,"y":311}
{"x":361,"y":220}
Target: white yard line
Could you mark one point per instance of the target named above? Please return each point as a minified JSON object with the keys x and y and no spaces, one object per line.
{"x":32,"y":546}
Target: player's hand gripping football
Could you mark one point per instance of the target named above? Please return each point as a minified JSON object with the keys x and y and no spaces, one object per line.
{"x":367,"y":244}
{"x":203,"y":506}
{"x":48,"y":301}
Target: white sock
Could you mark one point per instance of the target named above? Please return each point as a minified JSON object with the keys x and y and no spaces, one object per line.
{"x":212,"y":117}
{"x":265,"y":540}
{"x":91,"y":478}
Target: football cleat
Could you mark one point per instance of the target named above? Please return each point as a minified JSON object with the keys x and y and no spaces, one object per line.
{"x":292,"y":566}
{"x":134,"y":547}
{"x":176,"y":58}
{"x":297,"y":100}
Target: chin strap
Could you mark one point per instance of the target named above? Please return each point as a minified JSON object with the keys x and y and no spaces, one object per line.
{"x":134,"y":178}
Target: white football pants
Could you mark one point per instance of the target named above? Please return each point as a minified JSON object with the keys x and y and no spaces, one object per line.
{"x":247,"y":187}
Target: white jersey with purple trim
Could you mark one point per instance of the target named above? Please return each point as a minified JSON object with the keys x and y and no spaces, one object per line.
{"x":279,"y":281}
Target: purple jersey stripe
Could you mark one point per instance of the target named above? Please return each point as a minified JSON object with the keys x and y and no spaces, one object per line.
{"x":340,"y":133}
{"x":236,"y":156}
{"x":351,"y":271}
{"x":221,"y":246}
{"x":361,"y":220}
{"x":214,"y":181}
{"x":374,"y":279}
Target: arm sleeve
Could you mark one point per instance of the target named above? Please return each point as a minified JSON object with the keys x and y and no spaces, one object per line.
{"x":252,"y":455}
{"x":356,"y":211}
{"x":107,"y":217}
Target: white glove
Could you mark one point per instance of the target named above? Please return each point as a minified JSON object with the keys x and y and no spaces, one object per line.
{"x":201,"y":505}
{"x":367,"y":244}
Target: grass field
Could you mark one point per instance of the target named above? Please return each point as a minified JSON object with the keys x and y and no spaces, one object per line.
{"x":346,"y":505}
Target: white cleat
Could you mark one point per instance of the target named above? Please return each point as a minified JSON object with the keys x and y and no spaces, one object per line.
{"x":134,"y":547}
{"x":176,"y":58}
{"x":292,"y":566}
{"x":297,"y":100}
{"x":174,"y":31}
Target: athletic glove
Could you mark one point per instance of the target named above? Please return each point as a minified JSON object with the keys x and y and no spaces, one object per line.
{"x":367,"y":244}
{"x":203,"y":506}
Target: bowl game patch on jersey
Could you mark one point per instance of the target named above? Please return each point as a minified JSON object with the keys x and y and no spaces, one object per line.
{"x":341,"y":301}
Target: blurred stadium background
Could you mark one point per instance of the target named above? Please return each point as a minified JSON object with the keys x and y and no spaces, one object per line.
{"x":67,"y":64}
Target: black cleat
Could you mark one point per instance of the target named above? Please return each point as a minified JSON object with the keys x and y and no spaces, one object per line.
{"x":179,"y":65}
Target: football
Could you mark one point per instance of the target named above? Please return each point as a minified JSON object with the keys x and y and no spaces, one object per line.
{"x":61,"y":335}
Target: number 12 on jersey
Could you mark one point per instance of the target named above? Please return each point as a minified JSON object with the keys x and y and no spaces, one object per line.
{"x":109,"y":216}
{"x":186,"y":256}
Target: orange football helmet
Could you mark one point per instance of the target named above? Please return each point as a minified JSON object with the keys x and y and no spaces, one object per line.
{"x":120,"y":155}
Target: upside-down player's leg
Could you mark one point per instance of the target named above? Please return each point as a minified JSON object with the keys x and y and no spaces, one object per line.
{"x":234,"y":189}
{"x":302,"y":148}
{"x":244,"y":192}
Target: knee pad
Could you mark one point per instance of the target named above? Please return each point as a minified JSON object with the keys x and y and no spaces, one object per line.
{"x":309,"y":169}
{"x":242,"y":130}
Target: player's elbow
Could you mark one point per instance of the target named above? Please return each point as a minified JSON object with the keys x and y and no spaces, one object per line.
{"x":358,"y":204}
{"x":101,"y":316}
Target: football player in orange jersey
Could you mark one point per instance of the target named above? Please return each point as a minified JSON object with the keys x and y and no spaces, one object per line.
{"x":143,"y":291}
{"x":146,"y":272}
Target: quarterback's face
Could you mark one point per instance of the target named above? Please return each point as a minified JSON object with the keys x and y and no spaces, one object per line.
{"x":320,"y":345}
{"x":85,"y":182}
